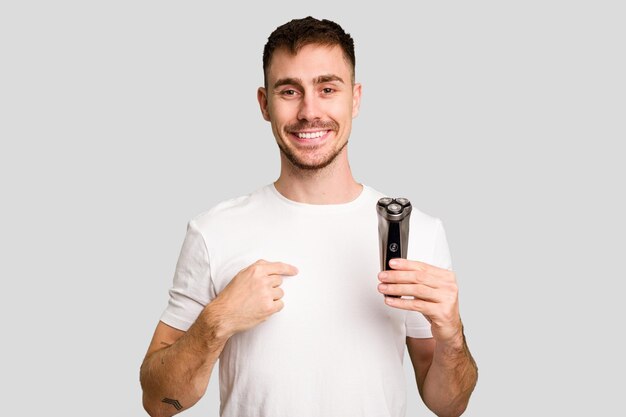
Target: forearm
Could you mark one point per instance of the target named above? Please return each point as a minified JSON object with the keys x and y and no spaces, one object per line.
{"x":451,"y":378}
{"x":175,"y":378}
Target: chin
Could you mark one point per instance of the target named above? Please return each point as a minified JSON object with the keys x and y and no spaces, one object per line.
{"x":310,"y":164}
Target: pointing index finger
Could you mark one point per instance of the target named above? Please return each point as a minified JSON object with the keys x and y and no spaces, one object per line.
{"x":280,"y":268}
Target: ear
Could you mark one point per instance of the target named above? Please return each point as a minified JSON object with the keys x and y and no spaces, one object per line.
{"x":261,"y":96}
{"x":356,"y":99}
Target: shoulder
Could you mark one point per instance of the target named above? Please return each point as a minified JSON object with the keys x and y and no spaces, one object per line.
{"x":225,"y":212}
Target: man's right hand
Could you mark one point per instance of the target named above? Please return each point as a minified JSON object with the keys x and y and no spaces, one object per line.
{"x":252,"y":295}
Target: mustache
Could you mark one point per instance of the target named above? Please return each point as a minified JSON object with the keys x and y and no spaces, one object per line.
{"x":321,"y":125}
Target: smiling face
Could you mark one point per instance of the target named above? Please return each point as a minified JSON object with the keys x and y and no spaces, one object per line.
{"x":310,"y":101}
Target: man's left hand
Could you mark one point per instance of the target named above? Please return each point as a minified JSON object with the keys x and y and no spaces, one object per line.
{"x":435,"y":291}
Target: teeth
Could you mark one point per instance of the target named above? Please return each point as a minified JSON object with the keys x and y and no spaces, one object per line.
{"x":312,"y":135}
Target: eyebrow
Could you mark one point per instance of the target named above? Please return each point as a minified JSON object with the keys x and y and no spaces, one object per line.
{"x":328,"y":78}
{"x":297,"y":81}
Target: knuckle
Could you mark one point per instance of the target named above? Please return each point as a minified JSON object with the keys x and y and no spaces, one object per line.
{"x":453,"y":290}
{"x":415,"y":304}
{"x":268,"y":306}
{"x":420,"y":290}
{"x":419,"y":276}
{"x":256,"y":269}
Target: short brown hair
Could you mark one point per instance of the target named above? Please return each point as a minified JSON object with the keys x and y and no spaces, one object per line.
{"x":297,"y":33}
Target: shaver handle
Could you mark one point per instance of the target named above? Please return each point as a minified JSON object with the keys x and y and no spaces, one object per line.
{"x":394,"y":244}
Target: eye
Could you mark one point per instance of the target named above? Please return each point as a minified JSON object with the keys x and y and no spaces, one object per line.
{"x":289,"y":92}
{"x":328,"y":90}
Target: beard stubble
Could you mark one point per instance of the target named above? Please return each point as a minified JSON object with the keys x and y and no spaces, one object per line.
{"x":298,"y":162}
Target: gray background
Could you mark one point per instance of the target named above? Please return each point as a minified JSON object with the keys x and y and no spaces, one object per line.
{"x":121,"y":120}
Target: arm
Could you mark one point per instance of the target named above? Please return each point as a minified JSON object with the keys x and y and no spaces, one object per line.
{"x":445,"y":375}
{"x":176,"y":370}
{"x":444,"y":368}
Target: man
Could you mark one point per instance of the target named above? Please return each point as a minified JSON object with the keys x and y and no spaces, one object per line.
{"x":309,"y":333}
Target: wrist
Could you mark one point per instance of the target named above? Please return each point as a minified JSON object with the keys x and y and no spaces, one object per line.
{"x":217,"y":320}
{"x":450,"y":339}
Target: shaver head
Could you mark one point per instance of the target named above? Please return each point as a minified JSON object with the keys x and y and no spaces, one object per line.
{"x":394,"y":209}
{"x":393,"y":229}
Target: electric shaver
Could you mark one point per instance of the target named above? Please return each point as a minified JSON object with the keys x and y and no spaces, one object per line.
{"x":393,"y":229}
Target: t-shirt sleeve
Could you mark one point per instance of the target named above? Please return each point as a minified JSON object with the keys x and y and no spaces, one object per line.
{"x":416,"y":324}
{"x":193,"y":287}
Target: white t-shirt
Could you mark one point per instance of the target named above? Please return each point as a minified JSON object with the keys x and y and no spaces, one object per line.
{"x":335,"y":349}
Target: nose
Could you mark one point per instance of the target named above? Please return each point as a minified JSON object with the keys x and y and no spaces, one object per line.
{"x":309,"y":108}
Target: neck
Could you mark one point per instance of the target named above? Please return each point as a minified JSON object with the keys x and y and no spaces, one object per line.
{"x":333,"y":184}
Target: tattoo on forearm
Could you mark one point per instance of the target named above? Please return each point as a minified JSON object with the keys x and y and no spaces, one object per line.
{"x":175,"y":403}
